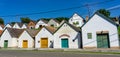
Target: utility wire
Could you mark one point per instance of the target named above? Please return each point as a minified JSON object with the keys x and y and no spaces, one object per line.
{"x":93,"y":4}
{"x":114,"y":8}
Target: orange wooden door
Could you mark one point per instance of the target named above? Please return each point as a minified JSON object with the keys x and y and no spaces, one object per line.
{"x":25,"y":44}
{"x":44,"y":42}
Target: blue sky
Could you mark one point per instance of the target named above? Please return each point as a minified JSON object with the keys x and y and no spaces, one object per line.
{"x":16,"y":7}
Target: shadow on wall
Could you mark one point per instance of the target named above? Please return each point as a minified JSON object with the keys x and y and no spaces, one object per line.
{"x":79,"y":40}
{"x":51,"y":45}
{"x":119,"y":40}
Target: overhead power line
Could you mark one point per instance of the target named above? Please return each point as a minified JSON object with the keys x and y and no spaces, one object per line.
{"x":58,"y":9}
{"x":114,"y":8}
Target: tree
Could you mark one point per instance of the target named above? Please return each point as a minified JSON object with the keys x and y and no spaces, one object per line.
{"x":104,"y":12}
{"x":62,"y":18}
{"x":12,"y":23}
{"x":119,"y":30}
{"x":47,"y":19}
{"x":25,"y":19}
{"x":1,"y":21}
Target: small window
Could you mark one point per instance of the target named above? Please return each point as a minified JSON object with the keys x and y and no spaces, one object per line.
{"x":31,"y":27}
{"x":40,"y":26}
{"x":77,"y":23}
{"x":52,"y":25}
{"x":74,"y":23}
{"x":89,"y":35}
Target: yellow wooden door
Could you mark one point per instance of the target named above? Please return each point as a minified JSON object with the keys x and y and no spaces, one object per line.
{"x":25,"y":44}
{"x":44,"y":42}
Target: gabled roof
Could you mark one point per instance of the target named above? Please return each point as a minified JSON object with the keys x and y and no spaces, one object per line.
{"x":10,"y":24}
{"x":62,"y":22}
{"x":45,"y":21}
{"x":19,"y":24}
{"x":25,"y":24}
{"x":104,"y":17}
{"x":72,"y":26}
{"x":32,"y":32}
{"x":33,"y":21}
{"x":50,"y":29}
{"x":55,"y":21}
{"x":15,"y":32}
{"x":75,"y":14}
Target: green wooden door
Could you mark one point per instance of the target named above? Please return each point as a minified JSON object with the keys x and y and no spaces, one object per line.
{"x":102,"y":41}
{"x":64,"y":43}
{"x":5,"y":43}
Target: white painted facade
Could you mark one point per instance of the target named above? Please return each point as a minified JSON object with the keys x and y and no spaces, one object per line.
{"x":24,"y":26}
{"x":53,"y":22}
{"x":40,"y":22}
{"x":12,"y":42}
{"x":73,"y":35}
{"x":44,"y":33}
{"x":76,"y":18}
{"x":16,"y":26}
{"x":1,"y":28}
{"x":97,"y":23}
{"x":25,"y":36}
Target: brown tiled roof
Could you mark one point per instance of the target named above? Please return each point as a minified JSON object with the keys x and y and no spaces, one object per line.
{"x":15,"y":32}
{"x":32,"y":32}
{"x":50,"y":29}
{"x":33,"y":21}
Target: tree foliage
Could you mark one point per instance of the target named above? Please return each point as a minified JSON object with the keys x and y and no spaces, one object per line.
{"x":47,"y":19}
{"x":25,"y":19}
{"x":1,"y":21}
{"x":62,"y":18}
{"x":12,"y":23}
{"x":104,"y":12}
{"x":57,"y":18}
{"x":119,"y":30}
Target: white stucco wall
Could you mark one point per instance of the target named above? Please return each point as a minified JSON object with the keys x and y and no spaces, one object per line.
{"x":16,"y":26}
{"x":12,"y":42}
{"x":52,"y":22}
{"x":99,"y":24}
{"x":25,"y":36}
{"x":66,"y":29}
{"x":8,"y":25}
{"x":43,"y":33}
{"x":40,"y":23}
{"x":76,"y":18}
{"x":1,"y":28}
{"x":24,"y":26}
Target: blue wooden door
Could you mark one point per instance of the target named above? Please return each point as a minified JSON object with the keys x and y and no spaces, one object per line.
{"x":64,"y":43}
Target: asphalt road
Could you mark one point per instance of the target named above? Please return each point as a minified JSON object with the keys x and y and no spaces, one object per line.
{"x":49,"y":54}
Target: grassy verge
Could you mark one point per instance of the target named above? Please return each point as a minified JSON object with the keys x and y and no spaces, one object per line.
{"x":73,"y":52}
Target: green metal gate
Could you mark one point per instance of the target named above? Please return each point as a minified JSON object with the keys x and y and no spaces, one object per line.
{"x":103,"y":41}
{"x":64,"y":43}
{"x":5,"y":43}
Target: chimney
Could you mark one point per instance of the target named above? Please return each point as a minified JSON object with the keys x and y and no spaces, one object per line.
{"x":86,"y":19}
